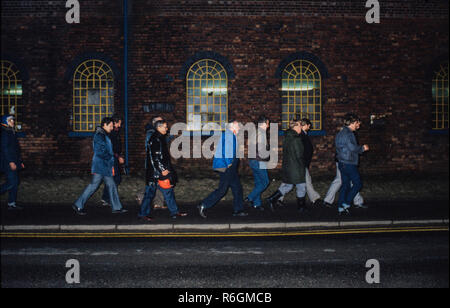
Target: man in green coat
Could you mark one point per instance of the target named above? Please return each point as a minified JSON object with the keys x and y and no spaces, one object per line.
{"x":293,"y":167}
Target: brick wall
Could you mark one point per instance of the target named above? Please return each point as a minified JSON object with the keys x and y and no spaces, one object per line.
{"x":373,"y":69}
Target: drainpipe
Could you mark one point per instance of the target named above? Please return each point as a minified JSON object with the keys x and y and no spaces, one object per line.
{"x":125,"y":77}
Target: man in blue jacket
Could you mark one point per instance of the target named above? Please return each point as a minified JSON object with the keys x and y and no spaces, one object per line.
{"x":226,"y":163}
{"x":102,"y":170}
{"x":347,"y":153}
{"x":10,"y":160}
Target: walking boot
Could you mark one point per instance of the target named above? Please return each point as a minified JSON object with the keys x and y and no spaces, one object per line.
{"x":301,"y":204}
{"x":273,"y":200}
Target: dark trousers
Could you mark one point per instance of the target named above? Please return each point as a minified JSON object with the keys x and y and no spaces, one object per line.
{"x":11,"y":185}
{"x":228,"y":179}
{"x":349,"y":175}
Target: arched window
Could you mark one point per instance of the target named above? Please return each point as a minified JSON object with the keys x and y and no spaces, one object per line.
{"x":207,"y":95}
{"x":93,"y":95}
{"x":440,"y":97}
{"x":11,"y":92}
{"x":301,"y":89}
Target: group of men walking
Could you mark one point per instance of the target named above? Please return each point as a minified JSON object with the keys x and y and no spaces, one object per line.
{"x":160,"y":174}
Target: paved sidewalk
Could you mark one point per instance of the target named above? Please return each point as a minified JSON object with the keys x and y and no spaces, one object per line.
{"x":62,"y":218}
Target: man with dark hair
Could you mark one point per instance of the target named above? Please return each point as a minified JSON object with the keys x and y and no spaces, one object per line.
{"x":102,"y":170}
{"x":259,"y":166}
{"x":10,"y":160}
{"x":160,"y":173}
{"x":118,"y":157}
{"x":347,"y":153}
{"x":226,"y":163}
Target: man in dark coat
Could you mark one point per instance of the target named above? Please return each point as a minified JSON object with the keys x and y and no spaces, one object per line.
{"x":159,"y":171}
{"x":10,"y":160}
{"x":102,"y":170}
{"x":293,"y":167}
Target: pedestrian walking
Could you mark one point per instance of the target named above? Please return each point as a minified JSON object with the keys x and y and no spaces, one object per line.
{"x":347,"y":153}
{"x":10,"y":160}
{"x":259,"y":166}
{"x":293,"y":167}
{"x":119,"y":160}
{"x":335,"y":186}
{"x":312,"y":194}
{"x":226,"y":163}
{"x":102,"y":170}
{"x":160,"y":173}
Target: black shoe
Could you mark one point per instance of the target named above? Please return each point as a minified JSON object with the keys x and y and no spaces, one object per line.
{"x":259,"y":208}
{"x":326,"y":204}
{"x":318,"y":202}
{"x":360,"y":206}
{"x":80,"y":212}
{"x":179,"y":214}
{"x":273,"y":200}
{"x":201,"y":210}
{"x":121,"y":211}
{"x":281,"y":203}
{"x":301,"y":204}
{"x":14,"y":207}
{"x":146,"y":218}
{"x":240,"y":214}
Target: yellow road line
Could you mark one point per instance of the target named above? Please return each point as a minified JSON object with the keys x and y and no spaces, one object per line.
{"x":220,"y":234}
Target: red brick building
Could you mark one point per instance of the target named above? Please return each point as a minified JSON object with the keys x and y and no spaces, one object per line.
{"x":228,"y":59}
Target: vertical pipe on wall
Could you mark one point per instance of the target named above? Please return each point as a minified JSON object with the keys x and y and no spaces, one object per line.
{"x":125,"y":76}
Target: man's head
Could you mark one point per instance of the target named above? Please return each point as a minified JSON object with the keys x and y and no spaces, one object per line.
{"x":107,"y":124}
{"x":117,"y":122}
{"x":8,"y":120}
{"x":306,"y":124}
{"x":352,"y":121}
{"x":156,"y":119}
{"x":161,"y":126}
{"x":234,"y":126}
{"x":263,"y":122}
{"x":295,"y":125}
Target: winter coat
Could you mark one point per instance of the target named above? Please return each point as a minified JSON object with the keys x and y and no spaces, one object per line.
{"x":103,"y":159}
{"x":226,"y":151}
{"x":308,"y":149}
{"x":293,"y":167}
{"x":347,"y":148}
{"x":10,"y":149}
{"x":158,"y":159}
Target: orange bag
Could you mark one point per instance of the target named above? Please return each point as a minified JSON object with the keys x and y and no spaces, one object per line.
{"x":164,"y":184}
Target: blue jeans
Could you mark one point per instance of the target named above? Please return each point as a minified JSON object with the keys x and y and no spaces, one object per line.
{"x":92,"y":188}
{"x":150,"y":192}
{"x":117,"y":179}
{"x":261,"y":178}
{"x":229,"y":178}
{"x":349,"y":175}
{"x":11,"y":186}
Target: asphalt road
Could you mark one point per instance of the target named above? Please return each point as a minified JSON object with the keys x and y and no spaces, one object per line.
{"x":412,"y":259}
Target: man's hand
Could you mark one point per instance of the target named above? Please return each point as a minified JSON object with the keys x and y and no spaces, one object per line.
{"x":121,"y":160}
{"x":165,"y":172}
{"x":13,"y":166}
{"x":365,"y":147}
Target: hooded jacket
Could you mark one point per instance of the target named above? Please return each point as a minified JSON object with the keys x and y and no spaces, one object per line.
{"x":226,"y":151}
{"x":103,"y":159}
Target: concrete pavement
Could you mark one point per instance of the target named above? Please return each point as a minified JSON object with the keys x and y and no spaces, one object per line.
{"x":42,"y":217}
